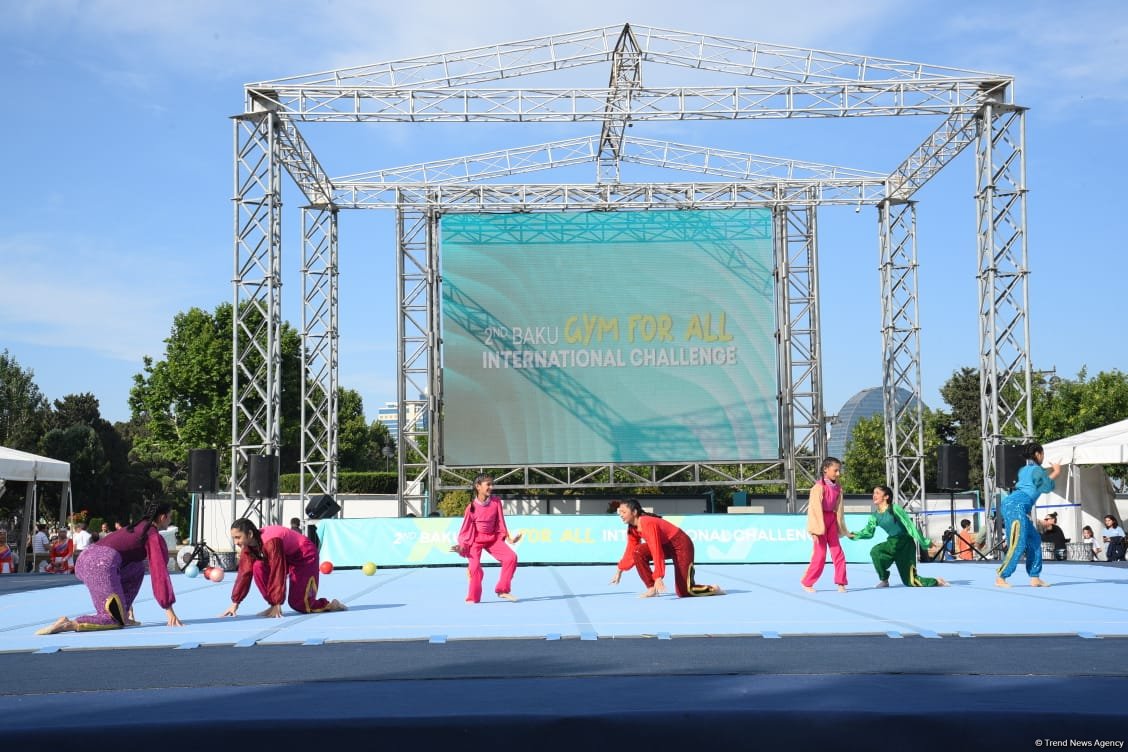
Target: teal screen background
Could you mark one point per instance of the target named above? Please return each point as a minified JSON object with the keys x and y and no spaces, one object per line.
{"x":588,"y":337}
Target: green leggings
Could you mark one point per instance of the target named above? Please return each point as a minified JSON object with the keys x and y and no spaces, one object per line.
{"x":899,"y":550}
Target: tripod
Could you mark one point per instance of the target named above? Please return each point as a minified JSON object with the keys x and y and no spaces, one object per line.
{"x":201,"y":551}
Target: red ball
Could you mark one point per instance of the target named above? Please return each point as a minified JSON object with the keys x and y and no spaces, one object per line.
{"x":326,"y":567}
{"x":215,"y":574}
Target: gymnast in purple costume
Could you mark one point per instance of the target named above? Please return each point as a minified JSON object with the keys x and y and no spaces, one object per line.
{"x":112,"y":570}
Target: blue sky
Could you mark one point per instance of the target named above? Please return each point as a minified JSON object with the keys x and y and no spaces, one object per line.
{"x":115,"y":205}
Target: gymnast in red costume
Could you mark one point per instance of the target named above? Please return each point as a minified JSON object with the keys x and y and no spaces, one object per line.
{"x":274,"y":557}
{"x":653,"y":539}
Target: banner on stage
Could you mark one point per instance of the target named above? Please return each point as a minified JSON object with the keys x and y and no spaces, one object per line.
{"x":577,"y":539}
{"x":586,"y":337}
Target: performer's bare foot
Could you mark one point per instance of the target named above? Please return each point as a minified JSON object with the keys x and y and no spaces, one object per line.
{"x":508,"y":596}
{"x":808,"y":588}
{"x":336,"y":605}
{"x":470,"y":601}
{"x":131,"y":622}
{"x":1038,"y":582}
{"x":842,"y":588}
{"x":941,"y":582}
{"x":1000,"y":582}
{"x":882,"y":583}
{"x":62,"y":624}
{"x":650,"y":593}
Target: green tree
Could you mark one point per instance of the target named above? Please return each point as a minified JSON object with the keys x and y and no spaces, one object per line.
{"x":24,"y":411}
{"x":961,"y":392}
{"x":80,"y":445}
{"x":183,"y":402}
{"x":864,"y":460}
{"x":354,"y":437}
{"x":1064,"y":407}
{"x":102,"y":480}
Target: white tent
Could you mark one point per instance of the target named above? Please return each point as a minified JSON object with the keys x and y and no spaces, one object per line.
{"x":1087,"y":487}
{"x":33,"y":469}
{"x":1107,"y":445}
{"x":17,"y":465}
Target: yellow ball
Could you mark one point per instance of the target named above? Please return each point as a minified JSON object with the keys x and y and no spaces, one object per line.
{"x":369,"y":568}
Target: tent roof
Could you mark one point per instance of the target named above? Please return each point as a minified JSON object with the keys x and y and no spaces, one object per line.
{"x":17,"y":465}
{"x":1107,"y":445}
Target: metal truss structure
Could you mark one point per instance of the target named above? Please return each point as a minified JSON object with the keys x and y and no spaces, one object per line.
{"x":773,"y":82}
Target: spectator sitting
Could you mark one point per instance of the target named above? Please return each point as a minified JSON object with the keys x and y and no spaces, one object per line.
{"x":1090,"y":543}
{"x":7,"y":555}
{"x":1054,"y":535}
{"x":964,"y":542}
{"x":62,"y":554}
{"x":1114,"y":537}
{"x":295,"y":524}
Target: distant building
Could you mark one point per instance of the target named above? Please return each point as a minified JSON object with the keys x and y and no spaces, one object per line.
{"x":864,"y":404}
{"x":389,"y":416}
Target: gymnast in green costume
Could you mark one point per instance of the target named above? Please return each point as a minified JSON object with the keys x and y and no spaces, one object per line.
{"x":900,"y":547}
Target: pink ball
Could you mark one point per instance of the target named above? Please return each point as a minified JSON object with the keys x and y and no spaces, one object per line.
{"x":215,"y":574}
{"x":326,"y":567}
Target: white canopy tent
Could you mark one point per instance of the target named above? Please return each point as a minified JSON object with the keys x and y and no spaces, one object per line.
{"x":1107,"y":445}
{"x":34,"y":469}
{"x":1085,"y":483}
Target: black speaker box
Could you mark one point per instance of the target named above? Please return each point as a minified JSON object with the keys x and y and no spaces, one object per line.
{"x":322,"y":507}
{"x":1008,"y":461}
{"x":262,"y":476}
{"x":951,"y":467}
{"x":203,"y":471}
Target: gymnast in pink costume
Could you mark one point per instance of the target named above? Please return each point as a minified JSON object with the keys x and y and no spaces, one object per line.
{"x":483,"y":529}
{"x":274,"y":557}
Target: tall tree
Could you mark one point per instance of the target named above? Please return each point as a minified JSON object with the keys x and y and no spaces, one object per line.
{"x":864,"y":460}
{"x":183,"y":402}
{"x":23,"y":408}
{"x":1064,"y":407}
{"x":101,"y":477}
{"x":354,"y":438}
{"x":961,"y":392}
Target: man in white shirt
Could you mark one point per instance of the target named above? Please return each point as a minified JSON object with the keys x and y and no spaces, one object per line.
{"x":81,"y":539}
{"x":40,"y":546}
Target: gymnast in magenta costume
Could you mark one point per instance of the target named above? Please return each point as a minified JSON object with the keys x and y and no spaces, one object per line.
{"x":483,"y":529}
{"x":273,"y":558}
{"x":113,"y":568}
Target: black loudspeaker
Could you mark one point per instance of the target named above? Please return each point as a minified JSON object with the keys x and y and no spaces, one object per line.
{"x":262,"y":476}
{"x":203,"y":471}
{"x":951,"y":467}
{"x":322,"y":507}
{"x":1008,"y":461}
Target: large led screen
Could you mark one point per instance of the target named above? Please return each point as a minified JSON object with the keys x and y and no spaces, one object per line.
{"x":636,"y":337}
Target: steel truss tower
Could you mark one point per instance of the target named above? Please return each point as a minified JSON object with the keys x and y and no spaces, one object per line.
{"x":776,"y":82}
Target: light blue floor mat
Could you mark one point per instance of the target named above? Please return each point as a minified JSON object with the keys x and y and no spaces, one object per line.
{"x":577,"y":602}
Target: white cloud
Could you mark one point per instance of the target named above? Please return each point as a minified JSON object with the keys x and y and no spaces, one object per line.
{"x":63,"y":292}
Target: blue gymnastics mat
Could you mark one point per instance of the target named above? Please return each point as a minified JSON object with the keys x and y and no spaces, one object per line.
{"x":577,"y":602}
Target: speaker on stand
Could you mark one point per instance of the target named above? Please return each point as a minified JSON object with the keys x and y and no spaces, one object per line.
{"x":203,"y":478}
{"x":262,"y":483}
{"x":951,"y":476}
